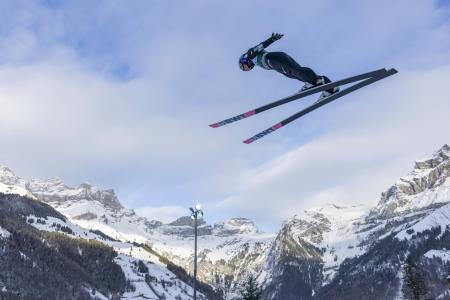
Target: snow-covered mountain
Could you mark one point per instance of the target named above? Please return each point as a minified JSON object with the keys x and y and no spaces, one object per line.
{"x":426,"y":186}
{"x":71,"y":261}
{"x":351,"y":252}
{"x":334,"y":251}
{"x":227,"y":250}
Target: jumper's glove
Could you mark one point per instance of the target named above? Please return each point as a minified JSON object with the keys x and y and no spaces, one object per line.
{"x":276,"y":36}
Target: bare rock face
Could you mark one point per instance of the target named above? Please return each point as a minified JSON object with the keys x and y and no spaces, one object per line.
{"x":86,"y":216}
{"x":8,"y":177}
{"x":184,"y":227}
{"x":186,"y":221}
{"x":440,"y":156}
{"x":55,"y":190}
{"x":295,"y":265}
{"x":235,"y":226}
{"x":311,"y":230}
{"x":428,"y":184}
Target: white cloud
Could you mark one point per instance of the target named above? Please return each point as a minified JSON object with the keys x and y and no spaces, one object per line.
{"x":122,"y":96}
{"x":165,"y":214}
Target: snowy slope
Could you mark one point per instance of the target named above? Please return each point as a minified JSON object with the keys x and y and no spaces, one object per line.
{"x":439,"y":218}
{"x":219,"y":244}
{"x":160,"y":281}
{"x":331,"y":228}
{"x":442,"y":254}
{"x":11,"y":189}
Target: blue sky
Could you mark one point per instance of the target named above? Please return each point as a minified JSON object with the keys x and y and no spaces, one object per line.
{"x":120,"y":94}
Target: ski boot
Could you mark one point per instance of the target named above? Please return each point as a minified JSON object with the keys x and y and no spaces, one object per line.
{"x":324,"y":80}
{"x":305,"y":87}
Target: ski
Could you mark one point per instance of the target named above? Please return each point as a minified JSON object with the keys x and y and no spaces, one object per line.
{"x":377,"y":77}
{"x":300,"y":95}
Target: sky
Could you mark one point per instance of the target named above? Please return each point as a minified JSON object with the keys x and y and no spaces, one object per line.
{"x":119,"y":94}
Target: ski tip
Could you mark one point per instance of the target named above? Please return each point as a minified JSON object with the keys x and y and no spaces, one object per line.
{"x":393,"y":70}
{"x":215,"y":125}
{"x":262,"y":134}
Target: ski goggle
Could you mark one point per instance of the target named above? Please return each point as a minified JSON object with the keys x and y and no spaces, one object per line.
{"x":243,"y":59}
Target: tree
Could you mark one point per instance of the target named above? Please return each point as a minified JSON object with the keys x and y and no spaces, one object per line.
{"x":142,"y":268}
{"x":250,"y":289}
{"x":414,"y":287}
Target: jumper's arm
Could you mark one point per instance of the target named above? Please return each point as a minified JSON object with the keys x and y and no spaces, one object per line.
{"x":252,"y":52}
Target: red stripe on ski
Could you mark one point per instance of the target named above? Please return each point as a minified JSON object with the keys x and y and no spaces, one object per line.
{"x":300,"y":95}
{"x":277,"y":126}
{"x":250,"y":113}
{"x":231,"y":120}
{"x":265,"y":132}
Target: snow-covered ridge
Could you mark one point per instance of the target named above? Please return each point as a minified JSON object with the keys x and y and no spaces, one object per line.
{"x":9,"y":178}
{"x":235,"y":226}
{"x":12,"y":189}
{"x":333,"y":229}
{"x":428,"y":184}
{"x":55,"y":190}
{"x":313,"y":224}
{"x":163,"y":281}
{"x":439,"y":218}
{"x":442,"y":254}
{"x":339,"y":213}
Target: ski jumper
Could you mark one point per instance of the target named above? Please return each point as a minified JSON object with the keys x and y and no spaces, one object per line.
{"x":282,"y":63}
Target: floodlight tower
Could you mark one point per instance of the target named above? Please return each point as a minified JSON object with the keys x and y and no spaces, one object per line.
{"x":195,"y":214}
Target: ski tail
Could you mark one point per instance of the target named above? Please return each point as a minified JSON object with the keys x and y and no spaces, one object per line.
{"x":263,"y":133}
{"x":233,"y":119}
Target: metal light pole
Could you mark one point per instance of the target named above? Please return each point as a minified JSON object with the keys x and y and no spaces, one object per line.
{"x":195,"y":214}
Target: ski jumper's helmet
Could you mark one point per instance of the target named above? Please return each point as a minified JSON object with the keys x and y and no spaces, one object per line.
{"x":245,"y":63}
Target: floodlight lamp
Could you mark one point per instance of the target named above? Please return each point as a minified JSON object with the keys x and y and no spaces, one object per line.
{"x":200,"y":213}
{"x":192,"y":217}
{"x":198,"y":207}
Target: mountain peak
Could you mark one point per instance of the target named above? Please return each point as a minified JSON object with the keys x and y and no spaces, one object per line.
{"x":235,"y":226}
{"x":85,"y":185}
{"x":186,"y":221}
{"x":335,"y":212}
{"x":445,"y":149}
{"x":412,"y":192}
{"x":440,"y":156}
{"x":55,"y":190}
{"x":7,"y":176}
